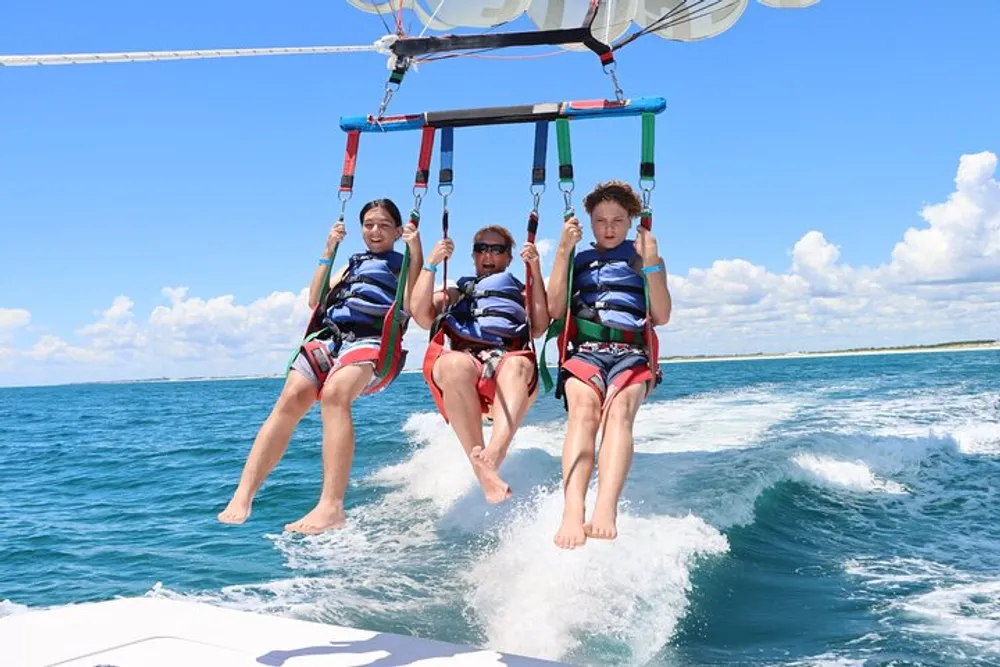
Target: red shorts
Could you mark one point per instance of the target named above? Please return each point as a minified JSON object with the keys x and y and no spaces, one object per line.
{"x":603,"y":365}
{"x":488,"y":364}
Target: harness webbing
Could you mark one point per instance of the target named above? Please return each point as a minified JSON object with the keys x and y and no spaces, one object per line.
{"x":647,"y":165}
{"x":350,"y":162}
{"x":445,"y":187}
{"x":647,"y":181}
{"x":571,"y":328}
{"x":446,"y":174}
{"x":560,"y":328}
{"x":424,"y":160}
{"x":390,"y":351}
{"x":541,"y":152}
{"x":565,"y":151}
{"x":537,"y":188}
{"x":314,"y":328}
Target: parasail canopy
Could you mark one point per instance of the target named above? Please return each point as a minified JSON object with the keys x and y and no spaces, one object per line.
{"x":616,"y":23}
{"x":600,"y":26}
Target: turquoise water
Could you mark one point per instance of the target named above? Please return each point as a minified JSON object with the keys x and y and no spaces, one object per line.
{"x":837,"y":511}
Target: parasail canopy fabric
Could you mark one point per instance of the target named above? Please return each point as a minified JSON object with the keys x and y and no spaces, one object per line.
{"x":676,"y":20}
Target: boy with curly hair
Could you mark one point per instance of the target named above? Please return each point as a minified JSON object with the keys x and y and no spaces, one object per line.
{"x":605,"y":372}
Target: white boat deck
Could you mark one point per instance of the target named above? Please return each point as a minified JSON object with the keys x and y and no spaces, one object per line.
{"x":152,"y":632}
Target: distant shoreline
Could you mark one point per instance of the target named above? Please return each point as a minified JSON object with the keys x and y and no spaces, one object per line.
{"x":964,"y":346}
{"x":960,"y":346}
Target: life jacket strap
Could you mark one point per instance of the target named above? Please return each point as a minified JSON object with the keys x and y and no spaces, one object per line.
{"x":603,"y":287}
{"x":589,"y":312}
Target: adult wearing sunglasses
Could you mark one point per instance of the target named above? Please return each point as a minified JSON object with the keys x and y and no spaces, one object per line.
{"x":489,"y":322}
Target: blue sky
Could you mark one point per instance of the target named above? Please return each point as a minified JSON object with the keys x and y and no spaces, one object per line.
{"x":220,"y":176}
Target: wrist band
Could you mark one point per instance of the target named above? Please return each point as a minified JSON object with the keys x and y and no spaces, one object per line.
{"x":651,"y":269}
{"x":324,"y":260}
{"x":431,"y":267}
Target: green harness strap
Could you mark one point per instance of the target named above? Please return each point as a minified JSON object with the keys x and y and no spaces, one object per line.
{"x":586,"y":330}
{"x":556,"y":328}
{"x":323,"y":292}
{"x":647,"y":181}
{"x":398,"y":316}
{"x":566,"y":186}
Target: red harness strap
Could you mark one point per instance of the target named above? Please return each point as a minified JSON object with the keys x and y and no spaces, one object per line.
{"x":320,"y":360}
{"x":388,"y":347}
{"x":324,"y":364}
{"x":485,"y":387}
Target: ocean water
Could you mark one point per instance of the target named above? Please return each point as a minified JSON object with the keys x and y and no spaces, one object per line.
{"x":819,"y":511}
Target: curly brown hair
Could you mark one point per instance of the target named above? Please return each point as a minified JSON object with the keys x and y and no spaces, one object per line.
{"x":616,"y":191}
{"x":496,"y":229}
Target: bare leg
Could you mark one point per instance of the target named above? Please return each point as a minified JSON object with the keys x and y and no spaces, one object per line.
{"x":297,"y":396}
{"x":339,"y":392}
{"x":578,"y":460}
{"x":456,"y":374}
{"x":511,"y":404}
{"x":615,"y":461}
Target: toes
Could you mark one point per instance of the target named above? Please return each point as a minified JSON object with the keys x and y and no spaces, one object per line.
{"x":600,"y":532}
{"x":572,"y":540}
{"x":233,"y":517}
{"x":304,"y":528}
{"x":603,"y":533}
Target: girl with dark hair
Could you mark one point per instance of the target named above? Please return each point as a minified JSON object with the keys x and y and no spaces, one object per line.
{"x":337,"y":368}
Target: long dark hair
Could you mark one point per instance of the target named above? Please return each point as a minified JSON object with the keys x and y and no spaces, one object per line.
{"x":387,"y":204}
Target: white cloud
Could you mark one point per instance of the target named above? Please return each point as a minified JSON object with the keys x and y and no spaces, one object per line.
{"x":814,"y":259}
{"x":54,"y":348}
{"x":13,"y":318}
{"x":115,"y":328}
{"x":544,"y":247}
{"x":187,"y":336}
{"x":962,"y":239}
{"x":734,"y":282}
{"x":940,"y":282}
{"x":190,"y":328}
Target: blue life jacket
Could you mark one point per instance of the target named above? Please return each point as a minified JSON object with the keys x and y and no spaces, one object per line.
{"x":358,"y":304}
{"x":489,"y":312}
{"x":607,"y":290}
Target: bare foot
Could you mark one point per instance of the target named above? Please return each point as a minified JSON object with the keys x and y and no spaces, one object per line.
{"x":603,"y":525}
{"x":237,"y":511}
{"x":494,"y":487}
{"x":571,"y":534}
{"x":323,"y":517}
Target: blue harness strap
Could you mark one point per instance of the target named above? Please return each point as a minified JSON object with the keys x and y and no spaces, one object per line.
{"x":446,"y":174}
{"x":541,"y":151}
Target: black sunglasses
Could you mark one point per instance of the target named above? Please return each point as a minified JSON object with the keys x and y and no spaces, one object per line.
{"x":492,"y":248}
